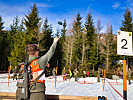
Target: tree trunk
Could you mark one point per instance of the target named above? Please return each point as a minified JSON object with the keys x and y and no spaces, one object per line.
{"x":83,"y":50}
{"x":107,"y":64}
{"x":71,"y":51}
{"x":93,"y":69}
{"x":67,"y":52}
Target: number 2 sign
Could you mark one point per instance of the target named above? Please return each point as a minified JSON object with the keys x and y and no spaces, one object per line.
{"x":124,"y":43}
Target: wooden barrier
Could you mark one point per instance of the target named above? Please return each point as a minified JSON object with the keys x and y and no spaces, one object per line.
{"x":63,"y":97}
{"x":12,"y":96}
{"x":7,"y":96}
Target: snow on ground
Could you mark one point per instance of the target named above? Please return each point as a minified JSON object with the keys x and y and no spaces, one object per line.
{"x":90,"y":88}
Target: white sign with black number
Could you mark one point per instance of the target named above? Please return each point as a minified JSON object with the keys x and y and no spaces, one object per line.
{"x":124,"y":43}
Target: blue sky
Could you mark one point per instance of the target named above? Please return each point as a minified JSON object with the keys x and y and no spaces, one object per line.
{"x":109,"y":11}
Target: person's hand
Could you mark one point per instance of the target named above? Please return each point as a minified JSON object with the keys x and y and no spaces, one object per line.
{"x":56,"y":39}
{"x":48,"y":65}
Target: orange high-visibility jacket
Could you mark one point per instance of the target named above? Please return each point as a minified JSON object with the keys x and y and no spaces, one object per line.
{"x":35,"y":71}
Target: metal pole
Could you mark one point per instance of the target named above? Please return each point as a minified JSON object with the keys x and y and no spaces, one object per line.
{"x":57,"y":63}
{"x":124,"y":78}
{"x":26,"y":76}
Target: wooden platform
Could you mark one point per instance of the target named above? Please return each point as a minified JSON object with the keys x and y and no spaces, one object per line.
{"x":12,"y":96}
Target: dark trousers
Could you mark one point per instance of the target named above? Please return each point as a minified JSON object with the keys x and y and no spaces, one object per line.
{"x":98,"y":78}
{"x":37,"y":92}
{"x":75,"y":77}
{"x":18,"y":91}
{"x":129,"y":81}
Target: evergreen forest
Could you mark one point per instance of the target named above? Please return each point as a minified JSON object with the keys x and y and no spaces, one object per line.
{"x":81,"y":45}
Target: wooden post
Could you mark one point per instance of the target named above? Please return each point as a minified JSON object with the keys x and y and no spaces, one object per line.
{"x":56,"y":70}
{"x":103,"y":86}
{"x":55,"y":82}
{"x":104,"y":79}
{"x":124,"y":78}
{"x":102,"y":75}
{"x":8,"y":79}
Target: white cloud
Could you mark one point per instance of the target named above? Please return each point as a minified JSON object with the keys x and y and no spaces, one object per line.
{"x":42,"y":5}
{"x":53,"y":19}
{"x":131,"y":4}
{"x":8,"y":21}
{"x":116,"y":5}
{"x":8,"y":12}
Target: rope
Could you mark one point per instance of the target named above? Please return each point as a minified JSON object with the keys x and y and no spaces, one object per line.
{"x":114,"y":89}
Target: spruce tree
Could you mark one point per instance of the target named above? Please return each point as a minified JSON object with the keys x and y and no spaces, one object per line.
{"x":12,"y":32}
{"x":127,"y":25}
{"x":62,"y":45}
{"x":32,"y":23}
{"x":91,"y":43}
{"x":47,"y":39}
{"x":77,"y":46}
{"x":93,"y":59}
{"x":127,"y":22}
{"x":18,"y":44}
{"x":113,"y":58}
{"x":4,"y":47}
{"x":1,"y":25}
{"x":90,"y":29}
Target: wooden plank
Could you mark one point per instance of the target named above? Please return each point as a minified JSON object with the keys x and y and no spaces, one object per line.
{"x":7,"y":94}
{"x":66,"y":97}
{"x":7,"y":98}
{"x":78,"y":97}
{"x":12,"y":96}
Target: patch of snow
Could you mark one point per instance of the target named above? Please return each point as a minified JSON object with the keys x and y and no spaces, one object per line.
{"x":91,"y":88}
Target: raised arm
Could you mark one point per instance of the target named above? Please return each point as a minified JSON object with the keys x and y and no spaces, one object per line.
{"x":45,"y":58}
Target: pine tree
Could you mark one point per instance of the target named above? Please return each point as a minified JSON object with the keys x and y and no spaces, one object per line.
{"x":4,"y":47}
{"x":12,"y":37}
{"x":127,"y":25}
{"x":77,"y":45}
{"x":62,"y":45}
{"x":127,"y":22}
{"x":90,"y":29}
{"x":12,"y":32}
{"x":32,"y":23}
{"x":18,"y":44}
{"x":47,"y":39}
{"x":113,"y":58}
{"x":57,"y":57}
{"x":1,"y":25}
{"x":94,"y":59}
{"x":77,"y":25}
{"x":91,"y":42}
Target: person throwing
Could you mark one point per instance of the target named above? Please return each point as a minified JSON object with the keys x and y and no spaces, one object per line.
{"x":37,"y":91}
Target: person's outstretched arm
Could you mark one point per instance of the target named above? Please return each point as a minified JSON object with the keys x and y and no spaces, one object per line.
{"x":45,"y":58}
